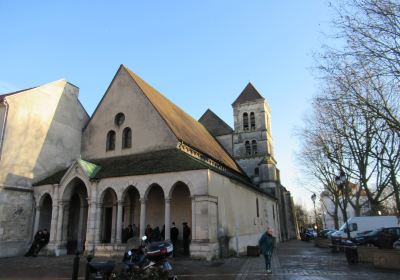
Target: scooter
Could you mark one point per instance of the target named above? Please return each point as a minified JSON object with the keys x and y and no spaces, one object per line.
{"x":150,"y":259}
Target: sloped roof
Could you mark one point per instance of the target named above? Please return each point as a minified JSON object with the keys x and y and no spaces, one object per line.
{"x":214,"y":124}
{"x":185,"y":128}
{"x":171,"y":160}
{"x":15,"y":92}
{"x":248,"y":94}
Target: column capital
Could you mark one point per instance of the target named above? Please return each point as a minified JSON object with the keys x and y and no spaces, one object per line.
{"x":120,"y":202}
{"x":143,"y":200}
{"x":167,"y":200}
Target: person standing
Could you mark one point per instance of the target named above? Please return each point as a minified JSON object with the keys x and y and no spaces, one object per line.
{"x":148,"y":232}
{"x":266,"y":243}
{"x":186,"y":238}
{"x":32,"y":251}
{"x":174,"y":238}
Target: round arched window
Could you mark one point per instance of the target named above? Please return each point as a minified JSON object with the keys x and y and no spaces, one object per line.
{"x":119,"y":119}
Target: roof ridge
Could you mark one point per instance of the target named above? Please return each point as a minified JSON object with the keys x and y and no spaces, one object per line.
{"x":249,"y":93}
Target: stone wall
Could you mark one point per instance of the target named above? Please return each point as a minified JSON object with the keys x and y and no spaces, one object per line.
{"x":16,"y":221}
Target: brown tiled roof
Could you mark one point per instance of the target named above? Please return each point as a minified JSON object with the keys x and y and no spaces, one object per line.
{"x":185,"y":128}
{"x":214,"y":124}
{"x":248,"y":94}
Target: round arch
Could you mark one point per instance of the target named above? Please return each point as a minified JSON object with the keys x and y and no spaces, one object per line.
{"x":46,"y":209}
{"x":155,"y":206}
{"x":181,"y":205}
{"x":108,"y":200}
{"x":130,"y":212}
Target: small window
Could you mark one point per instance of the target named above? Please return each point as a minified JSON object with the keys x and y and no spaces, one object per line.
{"x":110,"y":140}
{"x":248,"y":148}
{"x":119,"y":119}
{"x":273,"y":212}
{"x":258,"y":211}
{"x":245,"y":121}
{"x":254,"y":147}
{"x":256,"y":172}
{"x":126,"y":138}
{"x":252,"y":121}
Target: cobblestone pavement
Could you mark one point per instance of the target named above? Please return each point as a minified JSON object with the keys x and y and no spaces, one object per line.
{"x":291,"y":260}
{"x":301,"y":260}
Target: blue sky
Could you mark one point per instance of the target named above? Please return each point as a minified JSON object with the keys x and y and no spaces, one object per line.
{"x":200,"y":54}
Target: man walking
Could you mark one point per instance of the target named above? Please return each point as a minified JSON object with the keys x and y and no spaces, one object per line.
{"x":266,"y":243}
{"x":186,"y":238}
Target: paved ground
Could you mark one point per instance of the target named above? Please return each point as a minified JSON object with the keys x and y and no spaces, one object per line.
{"x":292,"y":260}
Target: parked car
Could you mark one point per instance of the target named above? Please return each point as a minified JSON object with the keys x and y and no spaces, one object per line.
{"x":308,"y":234}
{"x":357,"y":225}
{"x":382,"y":237}
{"x":325,"y":233}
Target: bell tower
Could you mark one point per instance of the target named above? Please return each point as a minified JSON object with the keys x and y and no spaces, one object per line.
{"x":252,"y":138}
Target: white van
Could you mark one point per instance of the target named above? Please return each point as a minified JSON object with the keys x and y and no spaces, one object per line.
{"x":360,"y":224}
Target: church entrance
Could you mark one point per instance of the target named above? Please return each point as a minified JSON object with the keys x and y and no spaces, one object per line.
{"x":108,"y":219}
{"x":75,"y":217}
{"x":46,"y":207}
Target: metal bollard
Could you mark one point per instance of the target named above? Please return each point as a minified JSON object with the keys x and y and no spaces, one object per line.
{"x":75,"y":268}
{"x":89,"y":259}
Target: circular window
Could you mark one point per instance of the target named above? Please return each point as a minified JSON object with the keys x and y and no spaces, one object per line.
{"x":119,"y":119}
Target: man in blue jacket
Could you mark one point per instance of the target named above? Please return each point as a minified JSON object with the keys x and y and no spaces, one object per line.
{"x":266,"y":243}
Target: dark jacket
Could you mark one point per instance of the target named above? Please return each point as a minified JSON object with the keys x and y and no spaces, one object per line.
{"x":174,"y":233}
{"x":266,"y":243}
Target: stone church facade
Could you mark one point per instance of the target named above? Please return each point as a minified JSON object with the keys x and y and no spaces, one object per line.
{"x":139,"y":159}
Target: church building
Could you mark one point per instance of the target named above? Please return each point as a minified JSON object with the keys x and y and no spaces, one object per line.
{"x":139,"y":159}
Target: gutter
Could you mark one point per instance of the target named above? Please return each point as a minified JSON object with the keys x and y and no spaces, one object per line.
{"x":3,"y":125}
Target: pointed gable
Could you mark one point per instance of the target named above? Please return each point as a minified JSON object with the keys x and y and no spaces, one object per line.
{"x":214,"y":124}
{"x":185,"y":128}
{"x":248,"y":94}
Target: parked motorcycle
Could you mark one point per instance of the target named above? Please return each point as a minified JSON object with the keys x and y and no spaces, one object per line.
{"x":150,"y":259}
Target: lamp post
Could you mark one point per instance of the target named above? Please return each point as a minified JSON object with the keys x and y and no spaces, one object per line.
{"x":313,"y":198}
{"x":341,"y":183}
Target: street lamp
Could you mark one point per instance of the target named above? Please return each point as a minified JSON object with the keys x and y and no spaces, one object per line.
{"x":313,"y":198}
{"x":341,"y":183}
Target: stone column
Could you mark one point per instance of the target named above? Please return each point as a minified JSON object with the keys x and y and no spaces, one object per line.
{"x":60,"y":222}
{"x":167,"y":219}
{"x":53,"y":227}
{"x":98,"y":222}
{"x":142,"y":216}
{"x":65,"y":220}
{"x":37,"y":218}
{"x":119,"y":220}
{"x":193,"y":217}
{"x":114,"y":223}
{"x":91,"y":226}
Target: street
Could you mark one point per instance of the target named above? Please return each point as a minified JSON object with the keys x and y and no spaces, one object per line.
{"x":292,"y":260}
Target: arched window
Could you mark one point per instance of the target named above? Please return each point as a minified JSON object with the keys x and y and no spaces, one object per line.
{"x":256,"y":172}
{"x":254,"y":146}
{"x":119,"y":119}
{"x":248,"y":148}
{"x":126,"y":138}
{"x":110,"y":140}
{"x":245,"y":121}
{"x":252,"y":121}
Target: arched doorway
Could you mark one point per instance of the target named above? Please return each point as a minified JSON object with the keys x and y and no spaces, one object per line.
{"x":75,"y":216}
{"x":46,"y":207}
{"x":131,"y":210}
{"x":181,"y":206}
{"x":155,"y":207}
{"x":109,"y":216}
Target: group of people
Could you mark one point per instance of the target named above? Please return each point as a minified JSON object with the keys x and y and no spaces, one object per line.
{"x":128,"y":232}
{"x":155,"y":235}
{"x":40,"y":240}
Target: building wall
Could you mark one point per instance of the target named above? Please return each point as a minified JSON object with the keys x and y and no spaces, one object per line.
{"x":42,"y":135}
{"x":233,"y":198}
{"x":149,"y":130}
